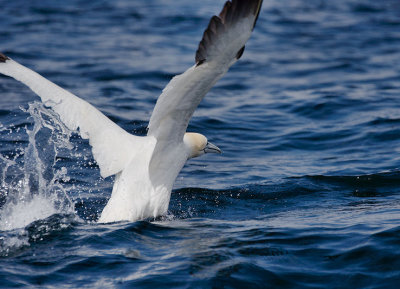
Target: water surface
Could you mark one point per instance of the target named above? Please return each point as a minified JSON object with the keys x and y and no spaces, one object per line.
{"x":305,"y":195}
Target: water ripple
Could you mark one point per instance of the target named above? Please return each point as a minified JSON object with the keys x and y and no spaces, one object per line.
{"x":305,"y":195}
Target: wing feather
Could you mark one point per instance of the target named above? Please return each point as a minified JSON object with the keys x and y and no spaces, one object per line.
{"x":111,"y":145}
{"x":222,"y":44}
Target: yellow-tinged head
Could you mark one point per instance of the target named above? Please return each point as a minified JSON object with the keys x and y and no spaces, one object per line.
{"x":198,"y":145}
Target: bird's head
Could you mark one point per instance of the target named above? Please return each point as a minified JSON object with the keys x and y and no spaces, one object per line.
{"x":198,"y":145}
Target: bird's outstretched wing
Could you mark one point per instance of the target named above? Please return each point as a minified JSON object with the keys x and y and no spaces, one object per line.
{"x":222,"y":45}
{"x":111,"y":145}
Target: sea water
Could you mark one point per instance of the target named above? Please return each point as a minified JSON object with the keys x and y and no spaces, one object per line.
{"x":305,"y":195}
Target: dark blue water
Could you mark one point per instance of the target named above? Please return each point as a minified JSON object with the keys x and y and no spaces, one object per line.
{"x":305,"y":195}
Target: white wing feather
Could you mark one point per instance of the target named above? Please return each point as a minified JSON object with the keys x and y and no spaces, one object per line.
{"x":111,"y":145}
{"x":222,"y":44}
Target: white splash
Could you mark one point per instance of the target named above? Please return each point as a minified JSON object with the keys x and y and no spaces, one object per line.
{"x":22,"y":213}
{"x":29,"y":182}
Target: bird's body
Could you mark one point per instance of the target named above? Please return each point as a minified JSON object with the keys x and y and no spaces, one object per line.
{"x":146,"y":167}
{"x":146,"y":199}
{"x":152,"y":187}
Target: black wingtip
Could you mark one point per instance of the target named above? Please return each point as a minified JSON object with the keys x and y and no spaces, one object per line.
{"x":3,"y":58}
{"x":257,"y":12}
{"x":231,"y":12}
{"x":240,"y":52}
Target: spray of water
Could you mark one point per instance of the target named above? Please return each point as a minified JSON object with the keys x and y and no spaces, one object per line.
{"x":31,"y":183}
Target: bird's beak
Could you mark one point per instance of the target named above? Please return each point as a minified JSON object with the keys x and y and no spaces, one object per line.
{"x":211,"y":148}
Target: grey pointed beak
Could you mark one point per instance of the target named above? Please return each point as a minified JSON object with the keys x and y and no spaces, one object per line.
{"x":212,"y":148}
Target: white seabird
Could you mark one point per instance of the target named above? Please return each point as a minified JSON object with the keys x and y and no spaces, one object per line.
{"x":146,"y":167}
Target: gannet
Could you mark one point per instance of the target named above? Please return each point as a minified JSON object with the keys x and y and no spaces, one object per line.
{"x":145,"y":167}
